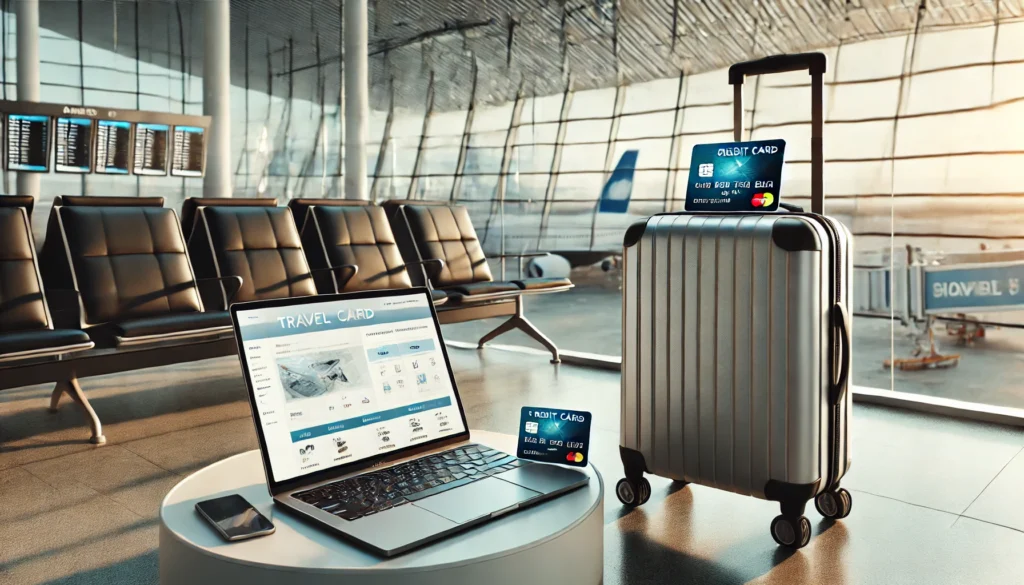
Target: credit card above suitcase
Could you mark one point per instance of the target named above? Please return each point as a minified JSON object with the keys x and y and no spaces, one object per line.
{"x":735,"y":176}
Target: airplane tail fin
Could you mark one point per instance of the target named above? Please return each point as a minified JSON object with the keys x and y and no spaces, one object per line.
{"x":616,"y":193}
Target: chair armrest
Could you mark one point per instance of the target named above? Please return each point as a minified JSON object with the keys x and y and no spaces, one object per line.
{"x":436,"y":263}
{"x":232,"y":284}
{"x":341,"y":274}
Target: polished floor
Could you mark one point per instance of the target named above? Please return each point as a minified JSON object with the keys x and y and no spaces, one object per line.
{"x":936,"y":501}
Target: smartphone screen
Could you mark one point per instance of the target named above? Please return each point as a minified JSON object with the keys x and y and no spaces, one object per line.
{"x":234,"y":516}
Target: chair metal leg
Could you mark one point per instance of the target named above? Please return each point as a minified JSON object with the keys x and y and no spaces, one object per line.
{"x":505,"y":327}
{"x":530,"y":329}
{"x":58,"y":392}
{"x":520,"y":322}
{"x":72,"y":389}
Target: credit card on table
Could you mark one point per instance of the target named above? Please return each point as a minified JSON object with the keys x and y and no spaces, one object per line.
{"x":552,"y":435}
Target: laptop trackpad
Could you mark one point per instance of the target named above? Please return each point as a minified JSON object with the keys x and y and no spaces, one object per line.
{"x":477,"y":499}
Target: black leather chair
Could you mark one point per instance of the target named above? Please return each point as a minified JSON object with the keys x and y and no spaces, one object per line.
{"x":355,"y":234}
{"x":260,"y":245}
{"x":131,"y":277}
{"x":27,"y":336}
{"x":446,"y":233}
{"x":190,"y":206}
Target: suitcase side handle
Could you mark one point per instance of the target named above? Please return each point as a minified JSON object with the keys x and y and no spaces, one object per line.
{"x":841,"y":322}
{"x":814,"y":63}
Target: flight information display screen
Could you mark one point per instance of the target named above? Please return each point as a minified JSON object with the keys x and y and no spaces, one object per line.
{"x":151,"y":149}
{"x":28,"y":143}
{"x":188,"y":151}
{"x":113,"y":147}
{"x":74,"y":145}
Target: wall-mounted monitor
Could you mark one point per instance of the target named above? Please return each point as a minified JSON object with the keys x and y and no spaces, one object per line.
{"x":113,"y":147}
{"x":73,"y":151}
{"x":28,"y":143}
{"x":189,"y":143}
{"x":150,"y":156}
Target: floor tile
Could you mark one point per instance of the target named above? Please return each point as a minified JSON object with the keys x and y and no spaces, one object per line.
{"x":24,"y":495}
{"x":928,"y":460}
{"x":63,"y":543}
{"x":1000,"y":502}
{"x":185,"y":451}
{"x":113,"y":471}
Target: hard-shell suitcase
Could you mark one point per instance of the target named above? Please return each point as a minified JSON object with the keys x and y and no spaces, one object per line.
{"x":736,"y":347}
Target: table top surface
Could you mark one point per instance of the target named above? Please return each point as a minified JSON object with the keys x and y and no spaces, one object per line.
{"x":301,"y":545}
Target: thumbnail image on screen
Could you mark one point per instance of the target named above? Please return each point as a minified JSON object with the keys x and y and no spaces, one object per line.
{"x":188,"y":151}
{"x":113,"y":147}
{"x":73,"y":153}
{"x":28,"y":143}
{"x":320,"y":374}
{"x":150,"y":157}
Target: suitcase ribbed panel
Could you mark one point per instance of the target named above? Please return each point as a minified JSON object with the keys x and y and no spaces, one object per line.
{"x":724,"y":337}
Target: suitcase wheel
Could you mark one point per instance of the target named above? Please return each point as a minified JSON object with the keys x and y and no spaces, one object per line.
{"x":791,"y":532}
{"x":633,"y":494}
{"x":834,"y":505}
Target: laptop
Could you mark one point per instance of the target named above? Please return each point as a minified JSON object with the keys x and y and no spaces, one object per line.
{"x":360,"y":423}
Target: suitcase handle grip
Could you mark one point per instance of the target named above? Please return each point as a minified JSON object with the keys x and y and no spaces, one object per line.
{"x":814,"y":63}
{"x":841,"y":321}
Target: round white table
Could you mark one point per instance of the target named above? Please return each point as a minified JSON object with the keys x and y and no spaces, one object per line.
{"x":559,"y":541}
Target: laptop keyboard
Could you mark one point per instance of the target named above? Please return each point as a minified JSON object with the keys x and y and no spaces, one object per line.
{"x":376,"y":491}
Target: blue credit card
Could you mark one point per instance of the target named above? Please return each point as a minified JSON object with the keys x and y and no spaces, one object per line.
{"x":551,"y":435}
{"x":735,"y":176}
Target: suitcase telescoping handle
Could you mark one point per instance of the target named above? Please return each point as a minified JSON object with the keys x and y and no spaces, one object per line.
{"x":841,"y":322}
{"x":815,"y":64}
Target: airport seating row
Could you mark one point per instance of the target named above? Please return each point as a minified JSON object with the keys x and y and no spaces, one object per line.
{"x":123,"y":283}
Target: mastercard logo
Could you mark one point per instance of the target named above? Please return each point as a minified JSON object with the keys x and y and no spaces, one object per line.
{"x":762,"y":200}
{"x":574,"y":457}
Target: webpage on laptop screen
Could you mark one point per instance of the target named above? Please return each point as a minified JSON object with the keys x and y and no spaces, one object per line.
{"x":340,"y":381}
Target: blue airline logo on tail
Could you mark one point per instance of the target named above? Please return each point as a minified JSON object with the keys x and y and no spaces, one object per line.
{"x":619,"y":188}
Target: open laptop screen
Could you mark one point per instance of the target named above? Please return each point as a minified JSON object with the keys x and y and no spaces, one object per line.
{"x":338,"y":381}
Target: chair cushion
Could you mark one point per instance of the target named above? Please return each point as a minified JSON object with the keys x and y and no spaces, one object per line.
{"x":129,"y":262}
{"x":190,"y":205}
{"x":166,"y":324}
{"x":541,"y":283}
{"x":360,"y":235}
{"x":21,"y":297}
{"x":300,"y":206}
{"x":446,"y":233}
{"x":40,"y":339}
{"x":482,"y":288}
{"x":259,"y":244}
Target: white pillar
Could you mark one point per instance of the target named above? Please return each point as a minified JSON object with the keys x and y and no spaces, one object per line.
{"x":217,"y":96}
{"x":26,"y":17}
{"x":357,"y":98}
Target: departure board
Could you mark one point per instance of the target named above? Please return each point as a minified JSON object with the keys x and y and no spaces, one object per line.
{"x":73,"y":153}
{"x":28,"y":143}
{"x":188,"y":151}
{"x":113,"y":147}
{"x":150,"y":157}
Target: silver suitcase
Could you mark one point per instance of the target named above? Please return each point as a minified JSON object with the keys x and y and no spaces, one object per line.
{"x":736,"y":348}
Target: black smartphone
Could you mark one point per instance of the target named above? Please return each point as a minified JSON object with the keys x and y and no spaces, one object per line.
{"x":234,"y":517}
